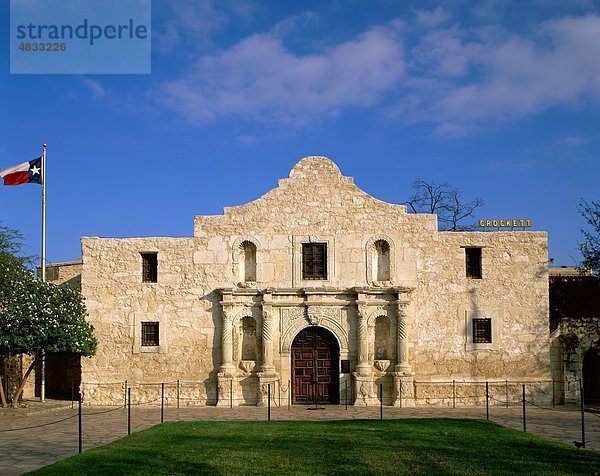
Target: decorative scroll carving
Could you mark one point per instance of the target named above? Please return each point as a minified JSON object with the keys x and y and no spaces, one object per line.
{"x":363,"y":335}
{"x":364,"y":392}
{"x":267,"y":331}
{"x":288,"y":334}
{"x":319,"y":313}
{"x":296,"y":313}
{"x":313,"y":319}
{"x":227,"y":329}
{"x":236,"y":345}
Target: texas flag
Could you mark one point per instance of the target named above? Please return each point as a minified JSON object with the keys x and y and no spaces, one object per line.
{"x":27,"y":172}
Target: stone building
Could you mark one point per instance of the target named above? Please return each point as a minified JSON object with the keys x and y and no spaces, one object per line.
{"x":322,"y":291}
{"x":575,"y":335}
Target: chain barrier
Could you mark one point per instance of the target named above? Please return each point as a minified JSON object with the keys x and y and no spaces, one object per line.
{"x":39,"y":426}
{"x":103,"y":411}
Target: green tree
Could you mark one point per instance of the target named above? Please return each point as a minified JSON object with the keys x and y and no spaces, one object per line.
{"x":36,"y":316}
{"x":590,"y":248}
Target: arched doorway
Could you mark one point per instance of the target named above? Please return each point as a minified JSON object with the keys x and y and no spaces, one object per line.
{"x":315,"y":366}
{"x":591,"y":377}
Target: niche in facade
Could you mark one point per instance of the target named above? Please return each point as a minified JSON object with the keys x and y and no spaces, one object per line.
{"x":383,"y":342}
{"x":381,"y":261}
{"x":247,"y":262}
{"x":248,"y":338}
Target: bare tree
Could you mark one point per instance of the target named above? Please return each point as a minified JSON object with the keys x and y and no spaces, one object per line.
{"x":445,"y":201}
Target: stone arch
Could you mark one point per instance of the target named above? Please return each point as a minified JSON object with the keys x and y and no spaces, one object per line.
{"x":291,"y":332}
{"x":380,"y":259}
{"x":246,"y":259}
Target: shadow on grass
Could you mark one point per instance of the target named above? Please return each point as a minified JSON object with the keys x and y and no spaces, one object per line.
{"x":410,"y":446}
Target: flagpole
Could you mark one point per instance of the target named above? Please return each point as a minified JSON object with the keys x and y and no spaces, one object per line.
{"x":43,"y":379}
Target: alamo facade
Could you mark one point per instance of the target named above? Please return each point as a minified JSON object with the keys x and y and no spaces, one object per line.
{"x":322,"y":291}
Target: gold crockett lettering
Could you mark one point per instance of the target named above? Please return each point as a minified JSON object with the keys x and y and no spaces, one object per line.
{"x":506,"y":223}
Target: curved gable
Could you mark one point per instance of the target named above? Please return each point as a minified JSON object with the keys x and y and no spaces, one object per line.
{"x":315,"y":195}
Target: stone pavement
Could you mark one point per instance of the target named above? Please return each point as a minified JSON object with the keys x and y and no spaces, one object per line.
{"x":46,"y":432}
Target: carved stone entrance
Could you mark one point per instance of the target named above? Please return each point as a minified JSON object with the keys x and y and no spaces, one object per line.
{"x":315,"y":366}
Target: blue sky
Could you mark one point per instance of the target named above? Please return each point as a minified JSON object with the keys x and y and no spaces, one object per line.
{"x":499,"y":98}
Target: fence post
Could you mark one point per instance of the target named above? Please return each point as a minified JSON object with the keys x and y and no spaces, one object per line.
{"x":80,"y":426}
{"x":162,"y":402}
{"x":524,"y":416}
{"x":553,"y":393}
{"x":506,"y":393}
{"x":581,"y":397}
{"x":381,"y":401}
{"x":129,"y":411}
{"x":279,"y":390}
{"x":346,"y":392}
{"x":231,"y":393}
{"x":289,"y":394}
{"x":178,"y":394}
{"x":126,"y":387}
{"x":400,"y":393}
{"x":487,"y":401}
{"x":269,"y":403}
{"x":453,"y":393}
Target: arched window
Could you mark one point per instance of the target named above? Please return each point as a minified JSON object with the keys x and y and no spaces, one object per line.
{"x":247,"y":261}
{"x":381,"y":261}
{"x":383,"y":343}
{"x":248,"y":338}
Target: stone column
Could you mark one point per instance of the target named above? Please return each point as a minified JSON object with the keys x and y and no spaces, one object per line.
{"x":267,"y":374}
{"x":363,"y":366}
{"x":403,"y":375}
{"x":363,"y":379}
{"x":226,"y":381}
{"x":227,"y":343}
{"x":402,"y":364}
{"x":267,"y":340}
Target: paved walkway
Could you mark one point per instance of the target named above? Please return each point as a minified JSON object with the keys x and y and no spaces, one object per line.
{"x":47,"y":432}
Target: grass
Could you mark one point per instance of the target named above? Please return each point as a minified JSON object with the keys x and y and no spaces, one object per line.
{"x":408,"y":446}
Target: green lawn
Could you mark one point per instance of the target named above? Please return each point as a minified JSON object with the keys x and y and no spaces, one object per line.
{"x":409,"y":446}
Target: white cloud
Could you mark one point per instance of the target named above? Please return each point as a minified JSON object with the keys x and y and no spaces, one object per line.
{"x":575,"y":140}
{"x":431,"y":18}
{"x":461,"y":78}
{"x":495,"y":78}
{"x":195,"y":20}
{"x":293,"y":23}
{"x":259,"y":78}
{"x":95,"y":87}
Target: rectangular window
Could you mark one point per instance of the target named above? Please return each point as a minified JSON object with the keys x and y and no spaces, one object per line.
{"x":314,"y":261}
{"x":473,"y":261}
{"x":482,"y":331}
{"x":150,"y":333}
{"x":149,"y":267}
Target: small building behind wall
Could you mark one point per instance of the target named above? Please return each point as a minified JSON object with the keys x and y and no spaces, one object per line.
{"x":317,"y":287}
{"x":575,"y":334}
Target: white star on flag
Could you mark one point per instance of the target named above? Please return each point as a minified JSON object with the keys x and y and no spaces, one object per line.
{"x":35,"y":170}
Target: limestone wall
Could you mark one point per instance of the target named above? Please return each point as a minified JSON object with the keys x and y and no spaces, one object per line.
{"x":574,"y":337}
{"x":315,"y":204}
{"x":67,"y":274}
{"x":118,"y":302}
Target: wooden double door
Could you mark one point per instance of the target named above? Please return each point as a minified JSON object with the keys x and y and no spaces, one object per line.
{"x":315,"y":366}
